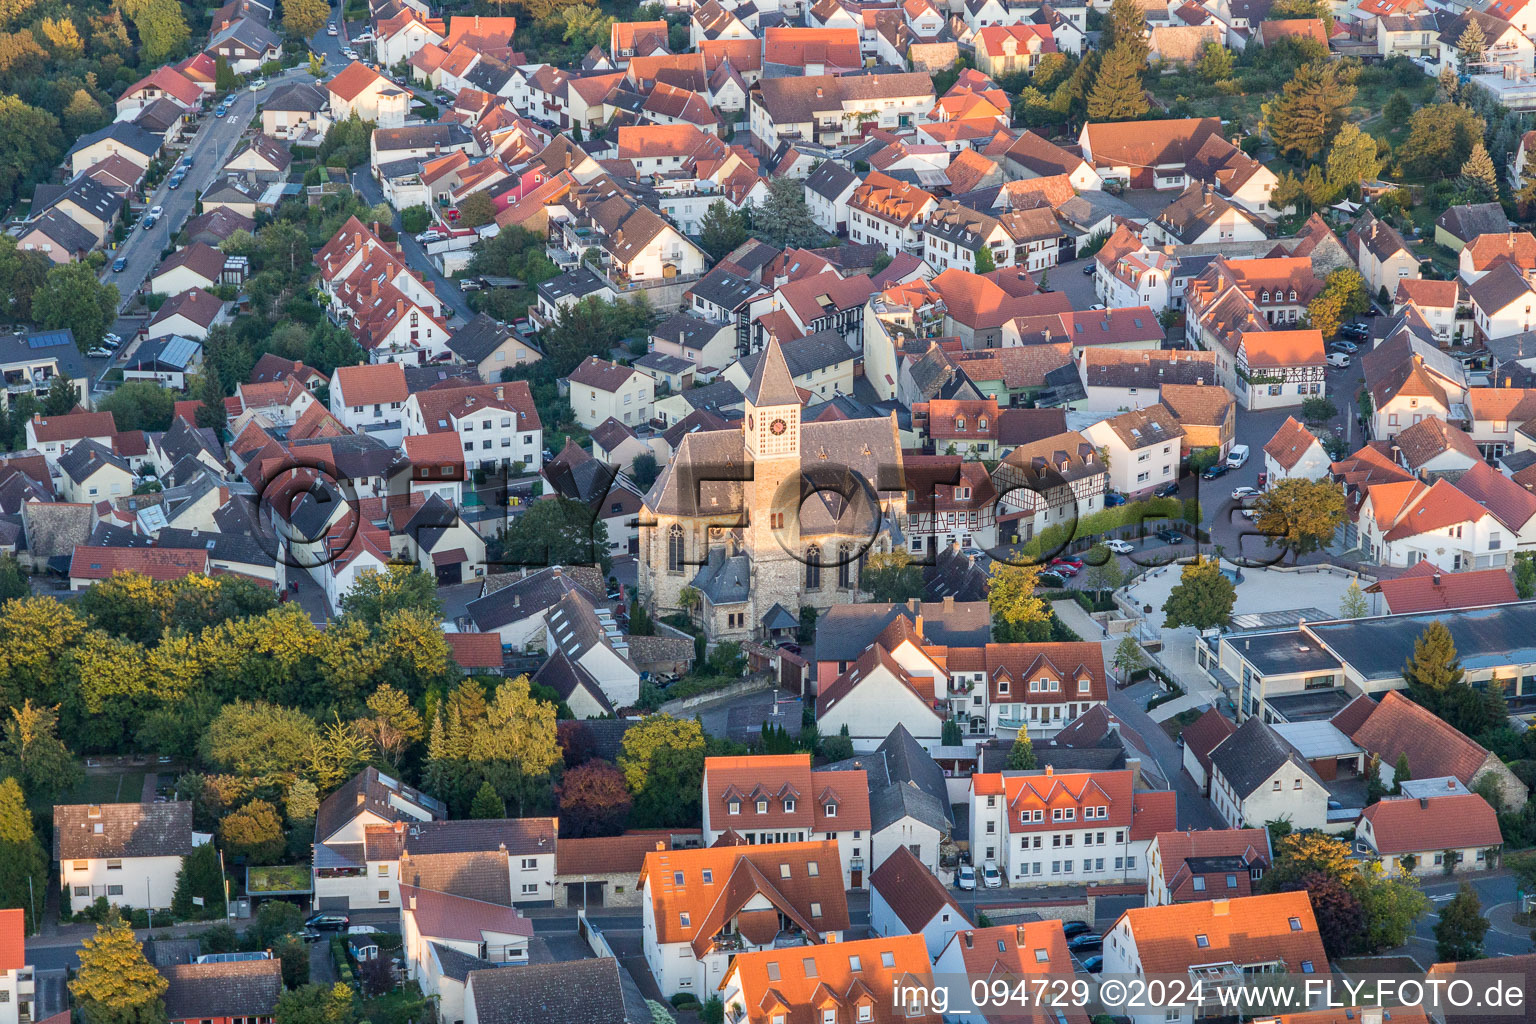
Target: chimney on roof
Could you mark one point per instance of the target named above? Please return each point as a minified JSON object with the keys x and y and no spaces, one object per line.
{"x":1436,"y":577}
{"x":1423,"y":803}
{"x":1050,"y":770}
{"x":1019,"y":935}
{"x":969,"y":938}
{"x":413,"y":901}
{"x":1450,"y":783}
{"x":361,"y":798}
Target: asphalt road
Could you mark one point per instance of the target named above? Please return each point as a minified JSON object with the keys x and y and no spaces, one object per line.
{"x":1498,"y":896}
{"x":415,"y":256}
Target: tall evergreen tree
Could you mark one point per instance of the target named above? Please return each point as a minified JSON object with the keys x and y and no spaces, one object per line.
{"x":1472,"y":46}
{"x":1433,"y":669}
{"x":23,"y":863}
{"x":1118,"y":93}
{"x":1309,"y":109}
{"x":1479,"y":181}
{"x":1126,"y":25}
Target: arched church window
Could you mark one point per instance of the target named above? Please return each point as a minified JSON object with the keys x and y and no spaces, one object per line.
{"x":813,"y":567}
{"x":675,"y":548}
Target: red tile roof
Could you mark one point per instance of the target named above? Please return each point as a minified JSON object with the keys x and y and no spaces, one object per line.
{"x":1435,"y":748}
{"x":913,"y":893}
{"x":1176,"y":849}
{"x":13,"y":953}
{"x":442,"y":915}
{"x":1424,"y":588}
{"x":1033,"y":947}
{"x":617,"y":855}
{"x":1154,"y":812}
{"x":799,"y":985}
{"x":778,"y":778}
{"x":163,"y":564}
{"x":1453,"y":821}
{"x":73,"y":426}
{"x":1290,"y":443}
{"x":1205,"y":734}
{"x":353,"y":79}
{"x":1251,"y":930}
{"x":372,"y":384}
{"x":475,"y":650}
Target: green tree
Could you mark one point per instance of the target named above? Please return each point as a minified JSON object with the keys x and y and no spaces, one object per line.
{"x":32,"y":753}
{"x":1471,"y":46}
{"x":140,"y":405}
{"x":1479,"y":182}
{"x":1126,"y":25}
{"x":1398,"y":109}
{"x":1118,"y":93}
{"x":1017,"y":614}
{"x":224,"y":79}
{"x":644,"y":470}
{"x":72,"y":297}
{"x":1433,"y":669}
{"x":115,"y":984}
{"x":1440,"y":139}
{"x":301,"y":802}
{"x":23,"y":862}
{"x":316,"y":1004}
{"x":508,"y":739}
{"x":1287,"y":191}
{"x":254,"y":832}
{"x":1021,"y":756}
{"x":1202,"y":598}
{"x":21,"y":271}
{"x":1353,"y":604}
{"x":1401,"y":773}
{"x":1352,"y":158}
{"x":1301,"y":514}
{"x":559,"y":531}
{"x":393,"y":724}
{"x":305,"y":18}
{"x":339,"y":752}
{"x":783,"y":219}
{"x":62,"y":396}
{"x":722,"y":229}
{"x":1375,"y":789}
{"x":1460,"y":930}
{"x":163,"y":31}
{"x":1104,"y":572}
{"x":476,"y":210}
{"x":199,"y":877}
{"x":1525,"y":578}
{"x":662,"y":759}
{"x":1309,"y":109}
{"x":487,"y":803}
{"x":586,"y":26}
{"x":256,"y":738}
{"x":891,"y":577}
{"x":1128,"y":656}
{"x":985,"y":264}
{"x":1215,"y":62}
{"x":30,"y":139}
{"x":400,"y":587}
{"x":1392,"y":904}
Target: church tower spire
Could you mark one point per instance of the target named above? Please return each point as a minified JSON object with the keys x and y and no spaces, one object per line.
{"x":773,"y":408}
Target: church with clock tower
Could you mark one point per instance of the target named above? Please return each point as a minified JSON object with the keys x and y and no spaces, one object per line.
{"x":748,"y":524}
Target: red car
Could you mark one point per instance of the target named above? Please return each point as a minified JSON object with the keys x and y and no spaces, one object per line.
{"x":1066,"y":568}
{"x":1076,"y":563}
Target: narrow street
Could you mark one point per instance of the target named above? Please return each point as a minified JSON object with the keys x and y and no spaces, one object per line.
{"x":415,"y":255}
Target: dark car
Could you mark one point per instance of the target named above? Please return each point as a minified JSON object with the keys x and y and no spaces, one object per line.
{"x":1113,"y":499}
{"x":329,"y":923}
{"x":1074,"y":928}
{"x":1167,"y":490}
{"x":792,"y":648}
{"x":1170,"y":536}
{"x":119,"y":265}
{"x":1087,"y":270}
{"x":1218,"y":470}
{"x":1088,"y":943}
{"x":1094,"y":964}
{"x":1050,"y":578}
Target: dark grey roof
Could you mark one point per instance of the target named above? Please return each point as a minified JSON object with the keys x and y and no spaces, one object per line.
{"x":370,"y":790}
{"x":181,"y":440}
{"x":565,"y":676}
{"x":1469,"y":220}
{"x":725,"y":289}
{"x":1309,"y":705}
{"x":1253,"y":753}
{"x":687,"y":330}
{"x":577,"y":283}
{"x":87,"y":457}
{"x":457,"y":965}
{"x":241,"y":988}
{"x":831,"y":180}
{"x":725,"y":580}
{"x":1285,"y":652}
{"x":415,"y":136}
{"x":297,"y":96}
{"x":169,"y":952}
{"x":572,"y":992}
{"x":994,"y":757}
{"x":1499,"y":287}
{"x":518,"y":836}
{"x":64,"y":230}
{"x":124,"y":133}
{"x":249,"y":32}
{"x":231,"y":547}
{"x":889,"y":804}
{"x":85,"y":192}
{"x":126,"y":830}
{"x":907,"y":762}
{"x":489,"y":74}
{"x":1378,"y":647}
{"x":845,"y":630}
{"x":662,"y":363}
{"x":719,"y":395}
{"x":803,"y":355}
{"x":480,"y":337}
{"x":420,"y":378}
{"x":958,"y":575}
{"x":527,"y":596}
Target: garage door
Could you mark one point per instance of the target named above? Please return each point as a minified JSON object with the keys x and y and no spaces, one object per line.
{"x":593,"y":895}
{"x":332,"y":903}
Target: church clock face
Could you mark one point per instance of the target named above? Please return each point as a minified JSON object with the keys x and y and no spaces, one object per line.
{"x":778,"y":427}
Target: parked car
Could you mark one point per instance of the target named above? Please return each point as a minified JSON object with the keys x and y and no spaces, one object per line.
{"x":790,"y":646}
{"x":329,"y":922}
{"x":1338,"y":360}
{"x":99,"y":352}
{"x":114,"y":338}
{"x":186,"y":162}
{"x":1051,"y":578}
{"x":1237,"y":456}
{"x":1168,"y":490}
{"x":1088,"y":269}
{"x":1113,"y":499}
{"x":1076,"y":563}
{"x":1170,"y":536}
{"x":1087,"y":943}
{"x":1064,"y":569}
{"x":1213,"y":472}
{"x":1071,"y":929}
{"x":1120,"y":547}
{"x":155,"y":211}
{"x":220,"y":110}
{"x":119,"y":265}
{"x":1094,"y":964}
{"x":330,"y":30}
{"x":1239,"y":493}
{"x":965,"y":878}
{"x":176,"y":180}
{"x":149,"y":221}
{"x":990,"y":877}
{"x":428,"y":236}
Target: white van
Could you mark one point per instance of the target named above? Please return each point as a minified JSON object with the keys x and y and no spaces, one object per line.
{"x":1338,"y":360}
{"x":1237,"y":456}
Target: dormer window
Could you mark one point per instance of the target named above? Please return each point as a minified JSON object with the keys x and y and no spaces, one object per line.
{"x":981,"y":424}
{"x":831,"y":810}
{"x":762,"y":807}
{"x":789,"y":804}
{"x":960,"y":424}
{"x":734,"y":807}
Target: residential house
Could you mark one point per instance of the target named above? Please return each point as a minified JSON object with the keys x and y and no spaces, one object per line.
{"x":1381,"y":254}
{"x":245,"y":45}
{"x":223,"y":991}
{"x":370,"y":399}
{"x":195,"y":266}
{"x":1219,"y":940}
{"x":1031,"y":156}
{"x":821,"y":363}
{"x":1011,"y":49}
{"x":889,"y":213}
{"x":129,"y":853}
{"x":446,"y":937}
{"x":1060,"y":476}
{"x":1206,"y":412}
{"x":1483,"y":253}
{"x":1424,"y":588}
{"x":1033,"y":951}
{"x":1409,"y":378}
{"x":600,"y":390}
{"x":778,"y":799}
{"x":1146,"y":154}
{"x":55,"y":435}
{"x":1295,"y":453}
{"x":491,"y":347}
{"x":1190,"y":867}
{"x":1438,"y":303}
{"x":1142,"y":448}
{"x":192,"y":314}
{"x":906,"y":899}
{"x":1257,"y":777}
{"x":162,"y":83}
{"x":1460,"y":224}
{"x":1432,"y":835}
{"x":341,"y":876}
{"x":862,"y":980}
{"x":359,"y":89}
{"x":1502,"y":301}
{"x":702,"y":910}
{"x":830,"y":109}
{"x":951,"y":501}
{"x":587,"y":990}
{"x":497,"y":424}
{"x":1200,"y":216}
{"x":296,"y":110}
{"x":120,"y":138}
{"x":170,"y":360}
{"x":504,"y":861}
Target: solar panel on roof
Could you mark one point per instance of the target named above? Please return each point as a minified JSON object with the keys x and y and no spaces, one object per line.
{"x":48,"y":339}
